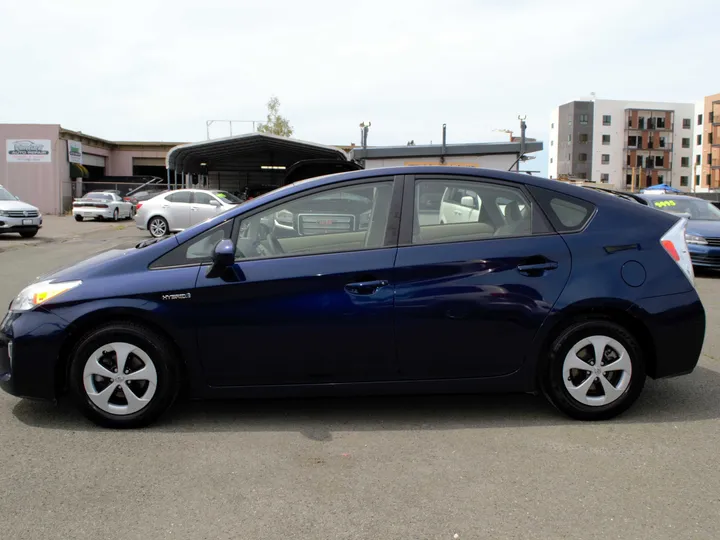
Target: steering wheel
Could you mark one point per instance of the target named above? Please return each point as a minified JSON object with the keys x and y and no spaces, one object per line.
{"x":266,"y":239}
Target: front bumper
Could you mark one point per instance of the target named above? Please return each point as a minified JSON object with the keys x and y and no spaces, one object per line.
{"x":12,"y":224}
{"x":676,"y":323}
{"x":30,"y":344}
{"x":705,"y":256}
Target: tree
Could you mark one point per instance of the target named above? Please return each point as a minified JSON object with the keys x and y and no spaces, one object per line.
{"x":276,"y":124}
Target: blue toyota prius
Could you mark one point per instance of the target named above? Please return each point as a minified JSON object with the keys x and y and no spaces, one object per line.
{"x":398,"y":280}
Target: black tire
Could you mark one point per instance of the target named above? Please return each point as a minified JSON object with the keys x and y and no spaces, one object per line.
{"x":28,"y":234}
{"x":116,"y":214}
{"x":78,"y":217}
{"x":553,"y":379}
{"x":158,"y":348}
{"x":159,"y":219}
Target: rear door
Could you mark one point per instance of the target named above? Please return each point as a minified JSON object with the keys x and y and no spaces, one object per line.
{"x":470,"y":296}
{"x":177,"y":206}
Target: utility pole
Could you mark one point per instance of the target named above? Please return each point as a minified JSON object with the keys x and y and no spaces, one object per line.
{"x":523,"y":126}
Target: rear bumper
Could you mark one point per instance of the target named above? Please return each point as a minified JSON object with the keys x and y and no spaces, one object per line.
{"x":676,"y":324}
{"x":29,"y":350}
{"x":89,"y":213}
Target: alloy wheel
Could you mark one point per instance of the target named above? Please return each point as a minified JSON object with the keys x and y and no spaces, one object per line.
{"x":597,"y":371}
{"x":158,"y":227}
{"x":120,"y":378}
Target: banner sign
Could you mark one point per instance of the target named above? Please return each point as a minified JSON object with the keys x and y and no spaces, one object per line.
{"x":28,"y":151}
{"x":75,"y":152}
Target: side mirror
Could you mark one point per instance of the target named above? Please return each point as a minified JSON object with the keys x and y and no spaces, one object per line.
{"x":468,"y":201}
{"x":17,"y":198}
{"x":214,"y":203}
{"x":223,"y":257}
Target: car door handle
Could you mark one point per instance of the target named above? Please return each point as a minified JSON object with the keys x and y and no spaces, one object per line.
{"x":165,"y":206}
{"x":537,"y":269}
{"x":366,"y":287}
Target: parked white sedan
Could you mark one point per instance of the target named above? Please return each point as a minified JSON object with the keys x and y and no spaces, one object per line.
{"x":178,"y":210}
{"x":102,"y":205}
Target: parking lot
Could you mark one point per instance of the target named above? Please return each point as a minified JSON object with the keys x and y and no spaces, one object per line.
{"x":488,"y":467}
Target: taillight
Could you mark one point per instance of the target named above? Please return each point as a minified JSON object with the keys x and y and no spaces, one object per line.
{"x":674,"y":243}
{"x":138,"y":206}
{"x":101,"y":206}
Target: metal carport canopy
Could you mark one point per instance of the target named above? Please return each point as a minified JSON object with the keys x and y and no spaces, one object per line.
{"x":249,"y":151}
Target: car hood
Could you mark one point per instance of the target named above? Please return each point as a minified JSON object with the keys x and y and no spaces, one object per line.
{"x":702,"y":227}
{"x":16,"y":205}
{"x":83,"y":268}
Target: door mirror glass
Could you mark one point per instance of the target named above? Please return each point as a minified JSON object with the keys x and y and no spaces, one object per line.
{"x":214,"y":203}
{"x":467,"y":201}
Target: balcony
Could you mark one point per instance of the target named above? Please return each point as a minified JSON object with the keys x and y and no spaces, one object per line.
{"x":650,"y":126}
{"x":666,"y":148}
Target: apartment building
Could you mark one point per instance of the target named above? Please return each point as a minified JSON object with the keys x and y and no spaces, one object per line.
{"x":706,"y":156}
{"x":626,"y":144}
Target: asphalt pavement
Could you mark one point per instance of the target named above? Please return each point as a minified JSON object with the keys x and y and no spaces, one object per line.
{"x":482,"y":467}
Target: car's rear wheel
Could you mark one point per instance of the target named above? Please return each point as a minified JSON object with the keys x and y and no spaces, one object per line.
{"x":78,"y":217}
{"x":595,"y":370}
{"x":158,"y":227}
{"x":123,"y":375}
{"x":116,"y":214}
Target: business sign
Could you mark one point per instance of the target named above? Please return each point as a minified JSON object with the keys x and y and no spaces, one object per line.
{"x":28,"y":151}
{"x":75,"y":152}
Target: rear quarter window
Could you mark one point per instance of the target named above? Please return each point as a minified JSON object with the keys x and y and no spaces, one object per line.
{"x":565,"y":212}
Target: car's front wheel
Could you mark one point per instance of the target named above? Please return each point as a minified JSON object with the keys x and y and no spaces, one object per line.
{"x":78,"y":217}
{"x":158,"y":227}
{"x":29,"y":234}
{"x":595,"y":370}
{"x":123,"y":375}
{"x":116,"y":214}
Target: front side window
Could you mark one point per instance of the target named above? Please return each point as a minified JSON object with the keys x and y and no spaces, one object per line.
{"x":197,"y":250}
{"x":343,"y":219}
{"x":179,"y":197}
{"x":203,"y":198}
{"x":471,"y":210}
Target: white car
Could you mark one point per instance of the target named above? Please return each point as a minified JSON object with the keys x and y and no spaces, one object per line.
{"x":102,"y":205}
{"x":463,"y":205}
{"x":17,"y":216}
{"x":178,"y":210}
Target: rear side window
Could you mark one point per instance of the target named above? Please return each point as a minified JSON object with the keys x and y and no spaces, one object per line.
{"x":566,"y":213}
{"x":179,"y":197}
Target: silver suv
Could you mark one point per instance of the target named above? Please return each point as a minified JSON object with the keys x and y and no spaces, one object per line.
{"x":17,"y":216}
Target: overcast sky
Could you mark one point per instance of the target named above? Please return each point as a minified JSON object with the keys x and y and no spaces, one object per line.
{"x":157,"y":70}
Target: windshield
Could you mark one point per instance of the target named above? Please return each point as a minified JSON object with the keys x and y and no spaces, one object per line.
{"x":5,"y":195}
{"x":695,"y":208}
{"x":227,"y":197}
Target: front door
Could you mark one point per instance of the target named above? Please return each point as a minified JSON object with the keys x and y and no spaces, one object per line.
{"x":470,"y":296}
{"x":314,"y":306}
{"x":203,"y":207}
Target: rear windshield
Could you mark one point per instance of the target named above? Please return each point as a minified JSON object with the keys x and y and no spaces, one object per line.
{"x":99,"y":196}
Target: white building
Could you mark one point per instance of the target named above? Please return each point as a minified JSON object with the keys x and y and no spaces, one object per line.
{"x":615,"y":142}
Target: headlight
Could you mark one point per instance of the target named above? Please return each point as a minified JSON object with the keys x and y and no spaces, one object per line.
{"x":695,"y":239}
{"x":37,"y":293}
{"x":4,"y":213}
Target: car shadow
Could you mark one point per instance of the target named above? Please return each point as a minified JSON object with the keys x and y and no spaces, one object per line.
{"x":689,"y":398}
{"x":702,"y":272}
